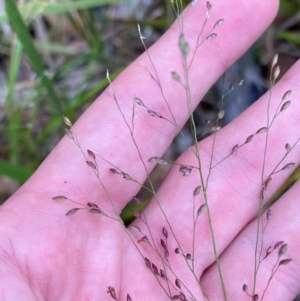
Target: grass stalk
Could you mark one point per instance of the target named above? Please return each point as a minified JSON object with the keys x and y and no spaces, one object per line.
{"x":259,"y":230}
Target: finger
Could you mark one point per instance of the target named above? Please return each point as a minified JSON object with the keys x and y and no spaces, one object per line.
{"x":238,"y":259}
{"x":234,"y":186}
{"x":102,"y":128}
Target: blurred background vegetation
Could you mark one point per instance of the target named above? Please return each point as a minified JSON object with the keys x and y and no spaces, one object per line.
{"x":54,"y":55}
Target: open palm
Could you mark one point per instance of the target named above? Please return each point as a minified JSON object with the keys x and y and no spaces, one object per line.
{"x":45,"y":255}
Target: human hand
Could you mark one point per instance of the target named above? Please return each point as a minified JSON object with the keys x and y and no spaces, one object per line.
{"x":47,"y":256}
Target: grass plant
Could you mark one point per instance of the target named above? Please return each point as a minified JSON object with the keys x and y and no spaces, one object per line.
{"x":157,"y":249}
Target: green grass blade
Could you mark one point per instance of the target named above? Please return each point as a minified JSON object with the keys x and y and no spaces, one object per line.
{"x":15,"y":172}
{"x":127,"y":215}
{"x":14,"y":116}
{"x":292,"y":37}
{"x":59,"y":8}
{"x":56,"y":48}
{"x":29,"y":48}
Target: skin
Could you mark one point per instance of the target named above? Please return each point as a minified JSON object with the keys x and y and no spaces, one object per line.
{"x":45,"y":255}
